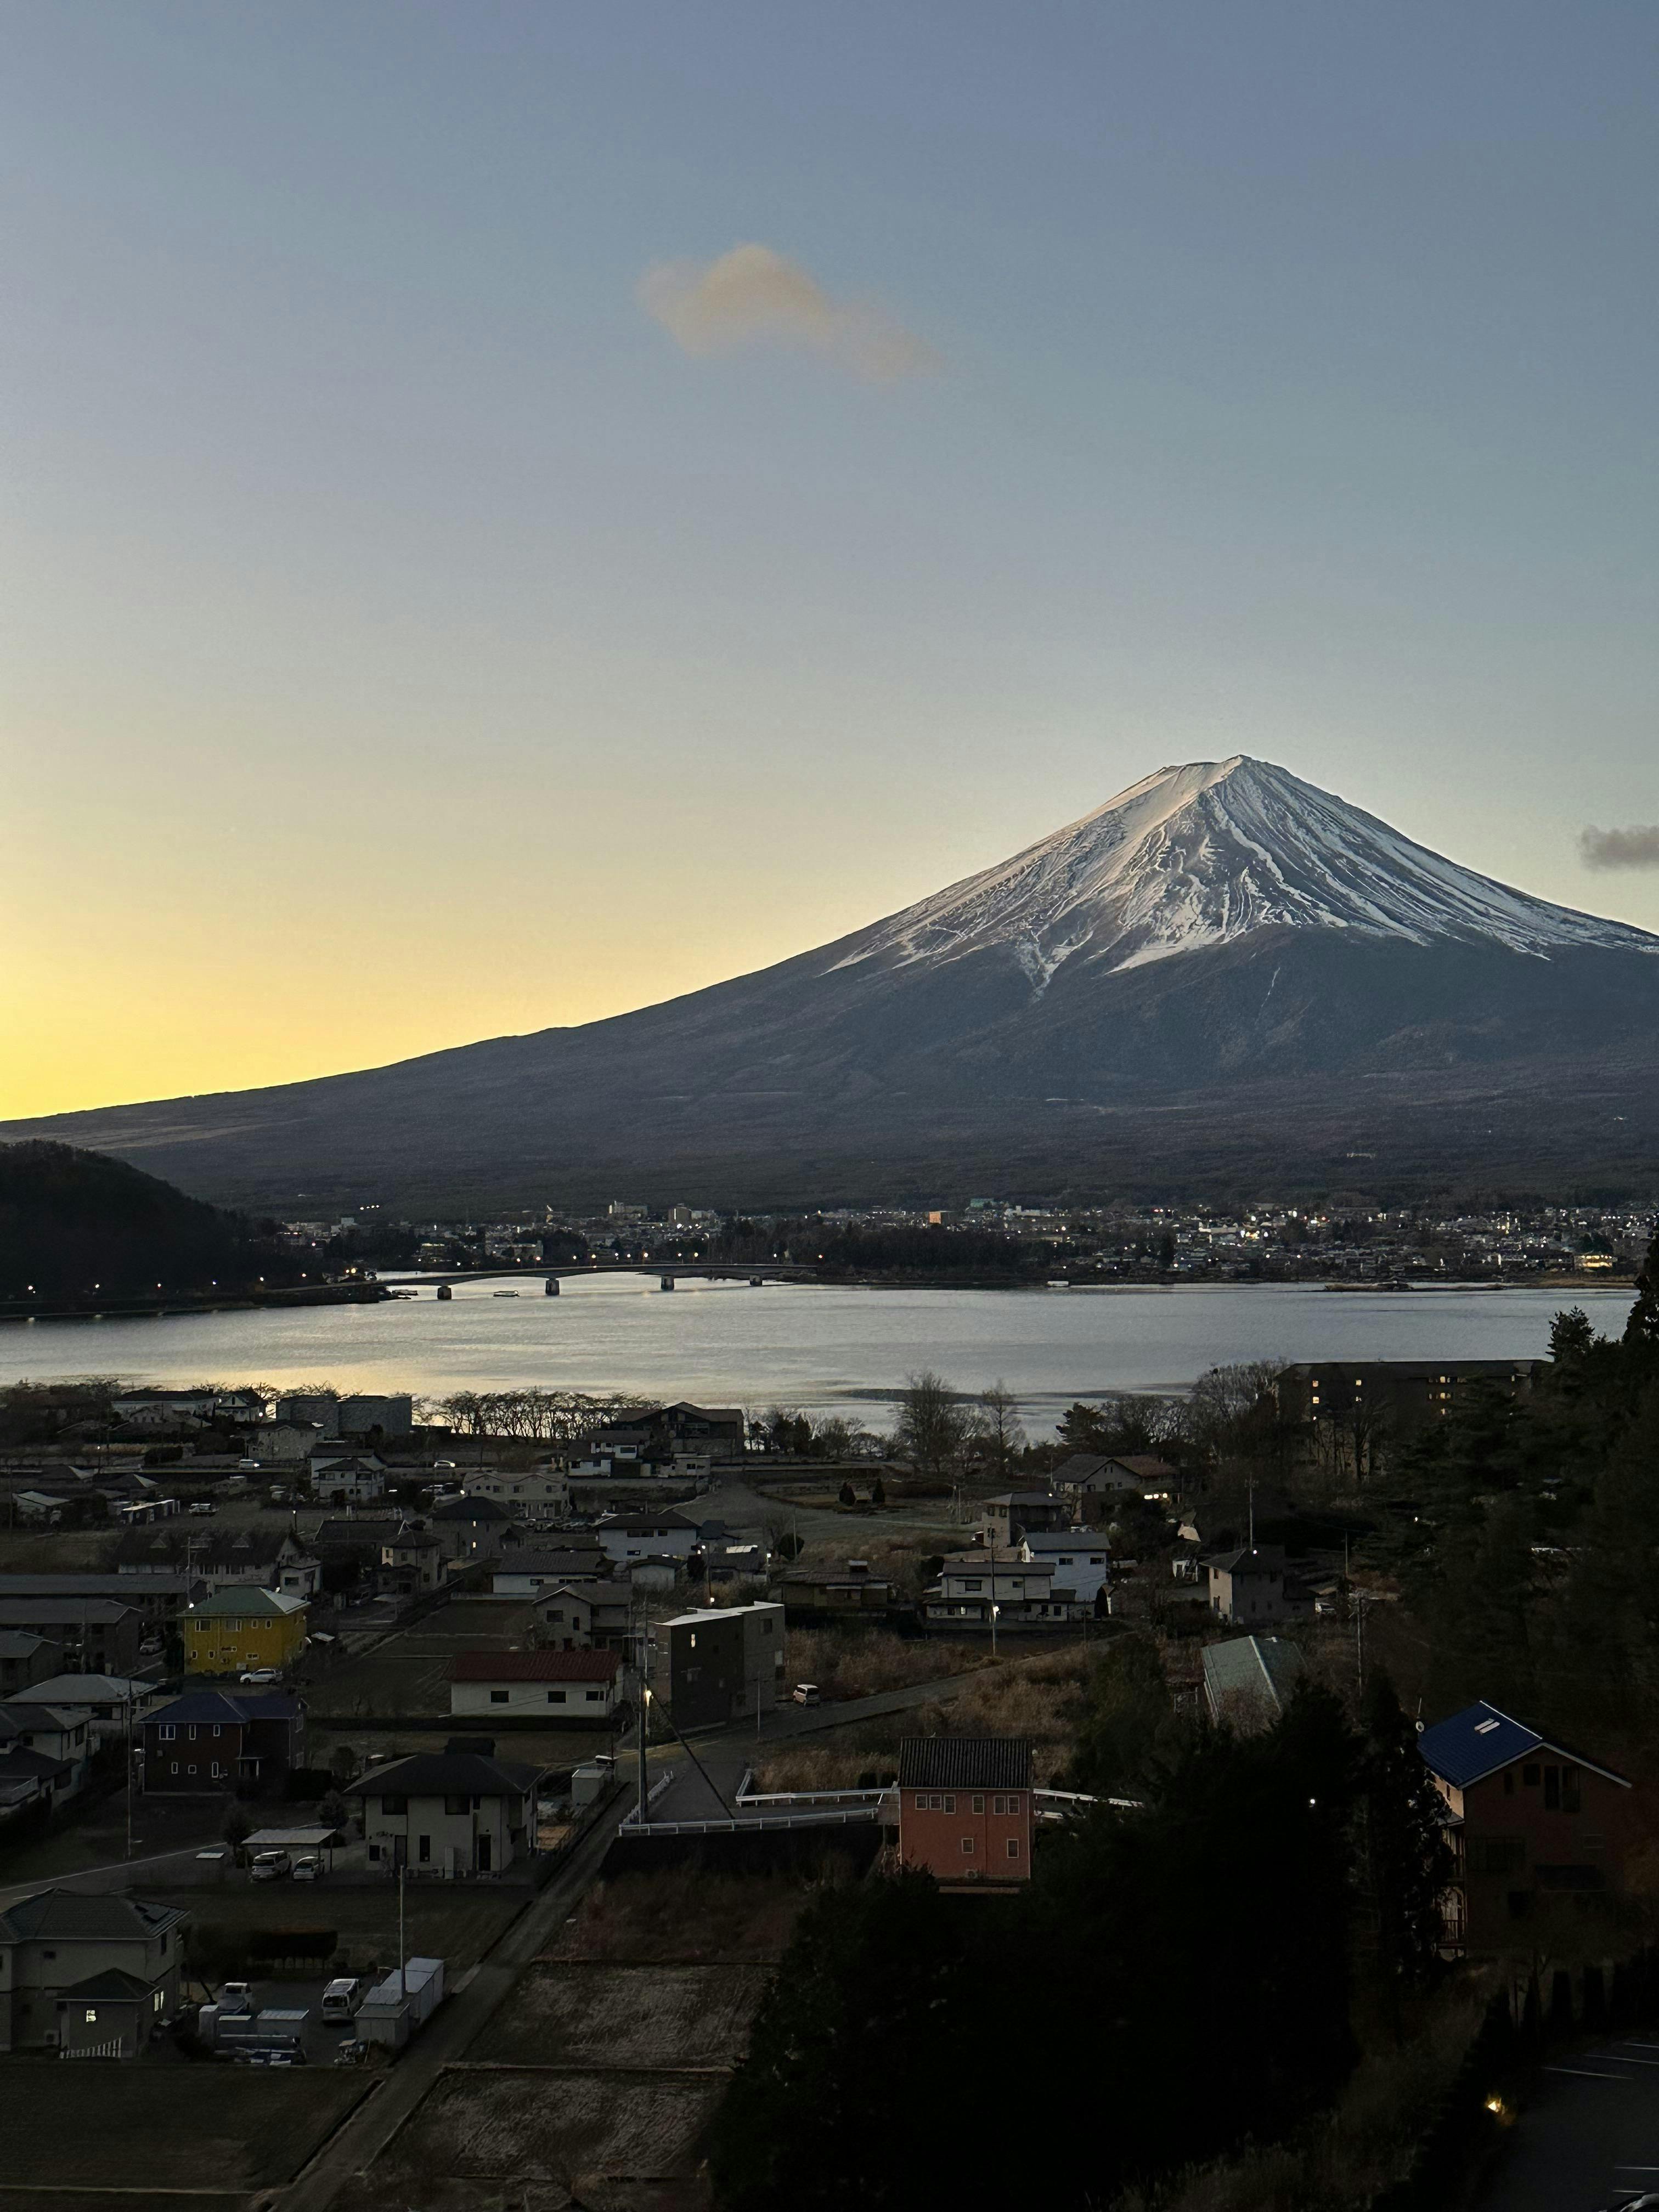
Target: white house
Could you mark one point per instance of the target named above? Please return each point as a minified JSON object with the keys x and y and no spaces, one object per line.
{"x":1025,"y":1593}
{"x":648,"y":1535}
{"x":541,"y":1495}
{"x":111,"y":1705}
{"x":55,"y":1733}
{"x":448,"y":1813}
{"x":348,"y":1479}
{"x":1081,"y":1560}
{"x":553,"y":1686}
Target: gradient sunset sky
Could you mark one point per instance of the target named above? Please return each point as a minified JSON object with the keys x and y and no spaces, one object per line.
{"x":515,"y":511}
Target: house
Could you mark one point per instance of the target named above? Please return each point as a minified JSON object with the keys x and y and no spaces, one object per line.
{"x":412,"y":1561}
{"x":164,"y":1410}
{"x":655,"y":1573}
{"x":1005,"y":1519}
{"x":213,"y":1742}
{"x":735,"y":1563}
{"x":313,"y":1411}
{"x":850,"y":1590}
{"x":1528,"y":1822}
{"x":663,"y":1432}
{"x":966,"y":1811}
{"x":1094,"y":1474}
{"x":1082,"y":1564}
{"x":94,"y":1632}
{"x":1248,"y":1681}
{"x":238,"y":1629}
{"x":281,"y":1443}
{"x":26,"y":1659}
{"x":271,"y":1559}
{"x":555,"y":1687}
{"x":472,"y":1530}
{"x":527,"y":1574}
{"x":571,"y":1616}
{"x":542,"y":1494}
{"x":346,"y":1478}
{"x":454,"y":1812}
{"x":57,"y":1733}
{"x":974,"y":1587}
{"x":352,"y":1536}
{"x":111,"y":1704}
{"x":30,"y":1780}
{"x":159,"y":1597}
{"x":724,"y":1662}
{"x":1250,"y":1585}
{"x":641,"y":1535}
{"x":88,"y":1975}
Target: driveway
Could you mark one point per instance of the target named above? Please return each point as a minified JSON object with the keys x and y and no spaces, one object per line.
{"x":1589,"y":2135}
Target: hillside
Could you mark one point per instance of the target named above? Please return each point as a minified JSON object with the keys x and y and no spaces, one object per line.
{"x":1221,"y":981}
{"x":78,"y":1224}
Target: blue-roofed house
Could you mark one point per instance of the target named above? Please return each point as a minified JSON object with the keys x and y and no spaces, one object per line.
{"x":1528,"y":1821}
{"x":211,"y":1742}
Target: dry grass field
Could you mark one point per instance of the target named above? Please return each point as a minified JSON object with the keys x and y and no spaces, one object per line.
{"x":598,"y":2014}
{"x":409,"y":1673}
{"x":178,"y":2126}
{"x":496,"y":2125}
{"x":686,"y":1916}
{"x":1040,"y":1696}
{"x":457,"y":1923}
{"x":859,"y":1662}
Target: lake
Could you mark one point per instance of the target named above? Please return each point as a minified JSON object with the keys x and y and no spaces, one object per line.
{"x":820,"y":1349}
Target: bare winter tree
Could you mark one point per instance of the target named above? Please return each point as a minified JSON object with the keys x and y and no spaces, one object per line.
{"x":933,"y":1423}
{"x":999,"y":1429}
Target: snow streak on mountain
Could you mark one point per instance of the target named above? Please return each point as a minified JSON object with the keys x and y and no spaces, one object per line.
{"x":1198,"y":855}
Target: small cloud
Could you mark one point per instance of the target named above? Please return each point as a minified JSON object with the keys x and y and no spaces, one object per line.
{"x":1636,"y":847}
{"x":753,"y":296}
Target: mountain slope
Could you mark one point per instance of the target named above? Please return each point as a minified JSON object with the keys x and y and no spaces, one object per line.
{"x":1222,"y":976}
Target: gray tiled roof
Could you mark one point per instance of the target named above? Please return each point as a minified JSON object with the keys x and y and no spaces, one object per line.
{"x":964,"y":1762}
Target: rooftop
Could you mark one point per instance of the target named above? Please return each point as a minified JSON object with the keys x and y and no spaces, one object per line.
{"x":964,"y":1762}
{"x":1480,"y":1740}
{"x":67,"y":1915}
{"x":446,"y":1774}
{"x":535,"y":1667}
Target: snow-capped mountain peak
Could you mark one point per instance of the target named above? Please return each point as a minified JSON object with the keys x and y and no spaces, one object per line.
{"x":1200,"y":854}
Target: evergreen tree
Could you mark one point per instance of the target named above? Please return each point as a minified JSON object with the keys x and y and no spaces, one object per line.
{"x":1405,"y":1863}
{"x":1642,"y":1328}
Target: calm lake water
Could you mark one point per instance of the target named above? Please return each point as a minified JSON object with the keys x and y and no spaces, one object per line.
{"x":822,"y":1349}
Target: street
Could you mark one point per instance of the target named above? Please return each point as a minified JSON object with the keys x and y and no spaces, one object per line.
{"x":1589,"y":2136}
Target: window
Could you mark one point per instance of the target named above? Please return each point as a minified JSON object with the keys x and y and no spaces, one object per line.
{"x":217,"y":1770}
{"x":155,"y":2002}
{"x":498,"y":1697}
{"x":595,"y":1697}
{"x":1013,"y":1847}
{"x":424,"y":1851}
{"x":92,"y":2014}
{"x":394,"y":1805}
{"x":966,"y":1846}
{"x":978,"y":1804}
{"x":172,"y":1767}
{"x":1497,"y":1854}
{"x":167,"y":1731}
{"x":557,"y":1697}
{"x":1572,"y":1799}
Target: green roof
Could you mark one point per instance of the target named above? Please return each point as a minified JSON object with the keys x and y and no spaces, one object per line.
{"x":235,"y":1604}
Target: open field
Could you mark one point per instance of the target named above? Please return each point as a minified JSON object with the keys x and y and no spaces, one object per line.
{"x":599,"y":2014}
{"x":176,"y":2125}
{"x":491,"y":2123}
{"x":455,"y":1922}
{"x":409,"y":1673}
{"x":684,"y":1916}
{"x":862,"y":1662}
{"x":1039,"y":1697}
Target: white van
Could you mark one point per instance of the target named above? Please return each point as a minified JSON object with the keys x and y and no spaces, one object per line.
{"x":341,"y":1999}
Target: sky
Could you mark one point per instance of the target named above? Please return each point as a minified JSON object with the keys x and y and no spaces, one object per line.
{"x":515,"y":510}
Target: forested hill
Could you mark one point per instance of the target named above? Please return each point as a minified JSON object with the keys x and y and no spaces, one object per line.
{"x":75,"y":1225}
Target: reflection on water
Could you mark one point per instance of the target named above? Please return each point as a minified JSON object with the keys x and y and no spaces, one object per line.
{"x":802,"y":1344}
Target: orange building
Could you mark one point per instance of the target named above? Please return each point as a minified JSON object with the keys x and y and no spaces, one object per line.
{"x":1528,"y":1821}
{"x":965,"y":1810}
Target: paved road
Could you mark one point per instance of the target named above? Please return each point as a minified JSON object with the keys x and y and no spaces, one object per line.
{"x":455,"y":2027}
{"x":1589,"y":2136}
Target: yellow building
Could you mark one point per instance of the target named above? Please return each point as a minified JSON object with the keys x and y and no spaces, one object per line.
{"x":237,"y":1629}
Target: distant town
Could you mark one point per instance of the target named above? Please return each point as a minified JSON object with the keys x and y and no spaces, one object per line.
{"x":991,"y":1239}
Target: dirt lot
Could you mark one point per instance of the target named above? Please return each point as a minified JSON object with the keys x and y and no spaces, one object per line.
{"x":491,"y":2123}
{"x":178,"y":2126}
{"x":442,"y":1921}
{"x":409,"y":1672}
{"x":599,"y":2014}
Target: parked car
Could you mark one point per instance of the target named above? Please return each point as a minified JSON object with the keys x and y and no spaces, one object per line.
{"x":236,"y":1997}
{"x":261,"y":1678}
{"x":203,"y":1506}
{"x":270,"y":1866}
{"x":308,"y":1868}
{"x":342,"y":1998}
{"x":806,"y":1693}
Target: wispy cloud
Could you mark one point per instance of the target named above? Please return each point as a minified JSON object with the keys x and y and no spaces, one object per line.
{"x":753,"y":297}
{"x":1635,"y":847}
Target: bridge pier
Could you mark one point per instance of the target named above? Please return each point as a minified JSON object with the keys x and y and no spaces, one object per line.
{"x":667,"y":1282}
{"x":551,"y":1286}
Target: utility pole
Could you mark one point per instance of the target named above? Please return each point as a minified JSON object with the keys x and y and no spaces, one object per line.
{"x":644,"y":1815}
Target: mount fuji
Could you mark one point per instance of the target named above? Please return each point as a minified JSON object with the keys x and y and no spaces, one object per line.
{"x":1224,"y":980}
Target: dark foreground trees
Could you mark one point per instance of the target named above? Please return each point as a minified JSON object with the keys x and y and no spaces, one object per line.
{"x":1173,"y":1980}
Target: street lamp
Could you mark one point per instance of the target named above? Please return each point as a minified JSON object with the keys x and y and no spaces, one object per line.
{"x":995,"y":1610}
